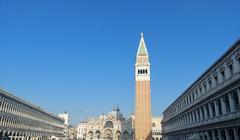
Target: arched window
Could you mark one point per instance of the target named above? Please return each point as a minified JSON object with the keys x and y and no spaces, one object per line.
{"x":98,"y":134}
{"x":90,"y":134}
{"x":125,"y":135}
{"x":153,"y":125}
{"x":108,"y":124}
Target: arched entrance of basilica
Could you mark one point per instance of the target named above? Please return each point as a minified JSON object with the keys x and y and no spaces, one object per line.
{"x":108,"y":134}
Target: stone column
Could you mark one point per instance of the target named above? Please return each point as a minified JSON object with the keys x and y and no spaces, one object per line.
{"x":190,"y":118}
{"x":238,"y":93}
{"x":210,"y":110}
{"x":194,"y":119}
{"x":231,"y":102}
{"x":227,"y":135}
{"x":197,"y":118}
{"x":236,"y":67}
{"x":179,"y":122}
{"x":205,"y":111}
{"x":187,"y":119}
{"x":1,"y":105}
{"x":184,"y":120}
{"x":192,"y":113}
{"x":201,"y":114}
{"x":236,"y":134}
{"x":219,"y":134}
{"x":213,"y":135}
{"x":208,"y":137}
{"x":201,"y":135}
{"x":216,"y":108}
{"x":224,"y":110}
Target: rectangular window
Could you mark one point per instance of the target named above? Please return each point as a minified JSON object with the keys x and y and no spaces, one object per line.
{"x":203,"y":116}
{"x":238,"y":61}
{"x":198,"y":112}
{"x":213,"y":109}
{"x":216,"y":80}
{"x":208,"y":113}
{"x":227,"y":104}
{"x":210,"y":84}
{"x":223,"y":76}
{"x":219,"y":106}
{"x":205,"y":88}
{"x":230,"y":67}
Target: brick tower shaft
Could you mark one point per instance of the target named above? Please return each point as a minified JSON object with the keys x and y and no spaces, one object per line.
{"x":143,"y":117}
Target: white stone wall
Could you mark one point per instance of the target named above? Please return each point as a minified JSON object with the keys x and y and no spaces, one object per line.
{"x":22,"y":120}
{"x":210,"y":107}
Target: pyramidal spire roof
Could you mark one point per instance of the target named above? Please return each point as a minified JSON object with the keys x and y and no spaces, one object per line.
{"x":142,"y":49}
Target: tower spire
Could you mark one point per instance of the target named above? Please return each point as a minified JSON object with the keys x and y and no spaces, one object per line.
{"x":142,"y":49}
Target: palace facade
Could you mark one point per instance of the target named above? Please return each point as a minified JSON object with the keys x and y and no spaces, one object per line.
{"x":210,"y":108}
{"x":156,"y":128}
{"x":21,"y":120}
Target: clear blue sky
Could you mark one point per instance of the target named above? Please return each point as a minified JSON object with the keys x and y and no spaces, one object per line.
{"x":79,"y":55}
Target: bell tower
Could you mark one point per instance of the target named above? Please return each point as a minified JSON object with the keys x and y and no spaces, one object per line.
{"x":143,"y":117}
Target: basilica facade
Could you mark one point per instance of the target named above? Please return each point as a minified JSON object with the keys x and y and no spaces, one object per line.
{"x":111,"y":126}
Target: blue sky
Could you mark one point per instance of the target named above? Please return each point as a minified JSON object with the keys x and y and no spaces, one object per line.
{"x":79,"y":56}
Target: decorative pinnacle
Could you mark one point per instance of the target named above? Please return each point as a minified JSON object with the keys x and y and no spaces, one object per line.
{"x":142,"y":34}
